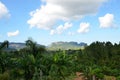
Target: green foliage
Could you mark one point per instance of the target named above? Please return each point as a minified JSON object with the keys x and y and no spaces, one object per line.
{"x":3,"y":45}
{"x":5,"y":76}
{"x":59,"y":65}
{"x":36,"y":63}
{"x":66,"y":46}
{"x":118,"y":77}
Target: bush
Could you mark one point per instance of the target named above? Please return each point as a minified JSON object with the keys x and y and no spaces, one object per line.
{"x":110,"y":78}
{"x":4,"y":76}
{"x":118,"y":78}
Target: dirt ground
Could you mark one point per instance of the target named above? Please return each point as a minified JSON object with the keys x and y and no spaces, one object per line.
{"x":79,"y":76}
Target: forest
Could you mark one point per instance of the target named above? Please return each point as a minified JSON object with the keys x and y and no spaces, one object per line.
{"x":97,"y":61}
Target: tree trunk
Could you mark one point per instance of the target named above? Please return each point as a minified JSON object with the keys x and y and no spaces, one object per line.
{"x":93,"y":77}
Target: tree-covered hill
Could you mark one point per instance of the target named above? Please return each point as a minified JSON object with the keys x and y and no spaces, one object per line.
{"x":15,"y":46}
{"x":66,"y":45}
{"x":52,"y":46}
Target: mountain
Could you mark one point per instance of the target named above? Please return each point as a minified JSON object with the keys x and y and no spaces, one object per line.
{"x":66,"y":45}
{"x":53,"y":46}
{"x":16,"y":46}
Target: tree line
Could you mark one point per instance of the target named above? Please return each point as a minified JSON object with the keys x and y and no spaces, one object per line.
{"x":97,"y":61}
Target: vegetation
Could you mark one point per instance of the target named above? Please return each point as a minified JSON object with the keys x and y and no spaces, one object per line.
{"x":99,"y":60}
{"x":66,"y":45}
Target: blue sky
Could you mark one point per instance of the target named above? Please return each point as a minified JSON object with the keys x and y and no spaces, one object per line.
{"x":49,"y":21}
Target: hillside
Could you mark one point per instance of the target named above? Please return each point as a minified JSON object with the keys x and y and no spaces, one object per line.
{"x":66,"y":45}
{"x":15,"y":46}
{"x":53,"y":46}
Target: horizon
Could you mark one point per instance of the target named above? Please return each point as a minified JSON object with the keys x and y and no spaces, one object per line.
{"x":68,"y":42}
{"x":48,"y":21}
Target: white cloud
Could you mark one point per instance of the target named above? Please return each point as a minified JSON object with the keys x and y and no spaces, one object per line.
{"x":10,"y":34}
{"x":61,"y":28}
{"x":107,"y":21}
{"x":3,"y":11}
{"x":52,"y":32}
{"x":47,"y":15}
{"x":84,"y":28}
{"x":71,"y":33}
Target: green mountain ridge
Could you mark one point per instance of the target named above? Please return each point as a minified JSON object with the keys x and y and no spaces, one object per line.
{"x":53,"y":46}
{"x":66,"y":45}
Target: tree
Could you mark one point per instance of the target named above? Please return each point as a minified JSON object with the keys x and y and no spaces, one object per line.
{"x":3,"y":45}
{"x":3,"y":60}
{"x":60,"y":67}
{"x":32,"y":47}
{"x":35,"y":50}
{"x":27,"y":63}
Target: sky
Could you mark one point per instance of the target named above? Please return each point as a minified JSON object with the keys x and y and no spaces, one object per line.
{"x":47,"y":21}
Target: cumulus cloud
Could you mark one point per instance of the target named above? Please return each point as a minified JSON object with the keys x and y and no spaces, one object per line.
{"x":71,"y":33}
{"x":10,"y":34}
{"x":3,"y":11}
{"x":61,"y":28}
{"x":47,"y":15}
{"x":52,"y":32}
{"x":107,"y":21}
{"x":84,"y":28}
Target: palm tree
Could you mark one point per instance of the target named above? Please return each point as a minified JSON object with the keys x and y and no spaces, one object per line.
{"x":34,"y":48}
{"x":36,"y":51}
{"x":2,"y":56}
{"x":3,"y":45}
